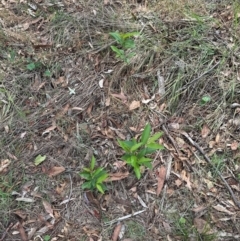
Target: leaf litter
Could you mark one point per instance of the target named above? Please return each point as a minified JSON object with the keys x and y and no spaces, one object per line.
{"x":44,"y":121}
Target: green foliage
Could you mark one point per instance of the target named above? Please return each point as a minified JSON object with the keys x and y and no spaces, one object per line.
{"x":136,"y":152}
{"x":46,"y":238}
{"x":94,"y":177}
{"x":34,"y":66}
{"x":205,"y":99}
{"x":125,"y":42}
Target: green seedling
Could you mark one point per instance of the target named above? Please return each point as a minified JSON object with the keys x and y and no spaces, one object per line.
{"x":94,"y":177}
{"x":205,"y":100}
{"x":136,"y":152}
{"x":125,"y":42}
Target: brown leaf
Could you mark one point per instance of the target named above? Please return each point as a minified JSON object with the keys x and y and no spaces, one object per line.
{"x":205,"y":131}
{"x":161,"y":178}
{"x":117,"y":176}
{"x":54,"y":171}
{"x":22,"y":232}
{"x":48,"y":208}
{"x":234,"y":146}
{"x":20,"y":214}
{"x":221,"y":208}
{"x":49,"y":129}
{"x":186,"y":178}
{"x":4,"y":164}
{"x":116,"y":232}
{"x":121,"y":96}
{"x":201,"y":225}
{"x":134,"y":105}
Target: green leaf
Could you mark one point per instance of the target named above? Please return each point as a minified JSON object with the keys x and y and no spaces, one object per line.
{"x":98,"y":172}
{"x":85,"y":175}
{"x":129,"y":35}
{"x":142,"y":160}
{"x":117,"y":37}
{"x":86,"y":169}
{"x":126,"y":145}
{"x":31,"y":66}
{"x":155,"y":137}
{"x":100,"y":188}
{"x":46,"y":237}
{"x":128,"y":44}
{"x":87,"y":185}
{"x":133,"y":161}
{"x":146,"y":134}
{"x":142,"y":153}
{"x":102,"y":178}
{"x":119,"y":52}
{"x":127,"y":158}
{"x":148,"y":165}
{"x":137,"y":172}
{"x":93,"y":162}
{"x":155,"y":146}
{"x":136,"y":146}
{"x":47,"y":73}
{"x":39,"y":159}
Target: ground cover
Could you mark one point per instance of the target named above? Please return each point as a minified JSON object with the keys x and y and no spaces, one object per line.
{"x":78,"y":78}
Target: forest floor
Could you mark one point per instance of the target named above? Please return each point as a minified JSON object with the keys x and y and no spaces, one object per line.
{"x":65,"y":96}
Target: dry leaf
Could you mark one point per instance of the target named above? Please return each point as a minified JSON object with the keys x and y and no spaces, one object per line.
{"x":49,"y":129}
{"x":234,"y":146}
{"x":48,"y":208}
{"x":107,"y":102}
{"x":221,"y":208}
{"x":22,"y":232}
{"x":205,"y":131}
{"x":186,"y":178}
{"x":117,"y":176}
{"x":4,"y":164}
{"x":121,"y":96}
{"x":161,"y":178}
{"x":201,"y":225}
{"x":134,"y":105}
{"x":25,"y":199}
{"x":54,"y":171}
{"x":116,"y":232}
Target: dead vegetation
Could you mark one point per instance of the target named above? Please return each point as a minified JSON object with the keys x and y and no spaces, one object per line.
{"x":64,"y":96}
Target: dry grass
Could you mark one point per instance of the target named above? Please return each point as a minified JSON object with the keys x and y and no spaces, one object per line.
{"x":194,"y":45}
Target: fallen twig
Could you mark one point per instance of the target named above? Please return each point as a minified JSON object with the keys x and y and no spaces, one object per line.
{"x":123,"y":218}
{"x":209,"y":161}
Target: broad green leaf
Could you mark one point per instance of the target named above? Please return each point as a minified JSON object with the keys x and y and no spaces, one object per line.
{"x":86,"y":169}
{"x":119,"y":52}
{"x":128,"y":44}
{"x":87,"y":185}
{"x":142,"y":153}
{"x":129,"y":35}
{"x":117,"y":37}
{"x":142,"y":160}
{"x":146,"y":134}
{"x":31,"y":66}
{"x":136,"y":146}
{"x":137,"y":172}
{"x":155,"y":137}
{"x":126,"y":145}
{"x":147,"y":164}
{"x":100,"y":188}
{"x":93,"y":162}
{"x":85,"y":175}
{"x":39,"y":159}
{"x":155,"y":146}
{"x":133,"y":161}
{"x":98,"y":172}
{"x":126,"y":156}
{"x":102,"y":178}
{"x":149,"y":151}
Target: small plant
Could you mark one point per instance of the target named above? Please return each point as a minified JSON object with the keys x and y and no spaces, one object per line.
{"x":34,"y":65}
{"x":205,"y":99}
{"x":136,"y":152}
{"x":125,"y":42}
{"x":94,"y":177}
